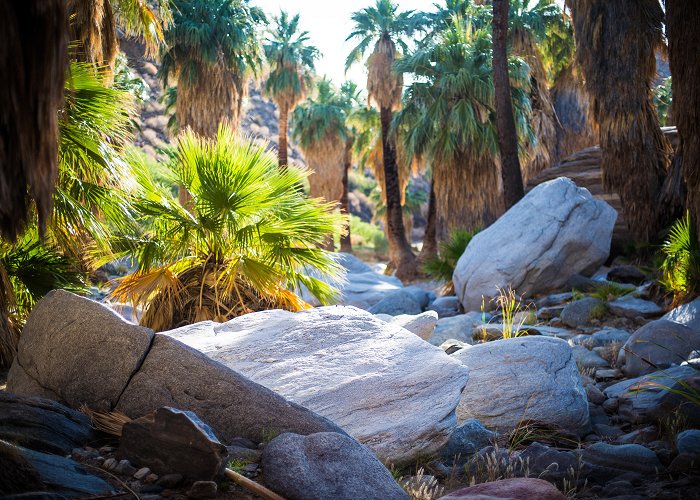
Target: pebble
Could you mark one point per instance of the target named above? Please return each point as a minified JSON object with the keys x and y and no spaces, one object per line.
{"x":151,"y":478}
{"x":170,"y":480}
{"x":142,"y":473}
{"x":107,"y":449}
{"x":607,"y":374}
{"x":109,"y":464}
{"x":124,"y":468}
{"x":202,"y":489}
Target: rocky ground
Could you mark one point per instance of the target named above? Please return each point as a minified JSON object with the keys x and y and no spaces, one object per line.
{"x":587,"y":388}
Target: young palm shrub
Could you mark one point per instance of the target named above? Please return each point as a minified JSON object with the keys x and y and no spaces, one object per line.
{"x":443,"y":266}
{"x":448,"y":119}
{"x":249,"y":241}
{"x":212,"y":48}
{"x":291,"y":61}
{"x":681,"y":265}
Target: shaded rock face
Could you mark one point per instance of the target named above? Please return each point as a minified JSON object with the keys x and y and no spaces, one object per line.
{"x":657,"y":345}
{"x":608,"y":461}
{"x":326,"y":465}
{"x":651,"y":398}
{"x":509,"y":489}
{"x":75,"y":350}
{"x":23,"y":470}
{"x":382,"y":384}
{"x":42,"y":424}
{"x":533,"y":379}
{"x":557,"y":230}
{"x":173,"y":441}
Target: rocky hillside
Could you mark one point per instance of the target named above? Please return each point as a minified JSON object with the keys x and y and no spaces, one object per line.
{"x":259,"y":119}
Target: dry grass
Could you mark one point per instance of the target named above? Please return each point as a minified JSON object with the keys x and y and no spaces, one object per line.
{"x":618,"y":63}
{"x":421,"y":486}
{"x":611,"y":351}
{"x":111,"y":422}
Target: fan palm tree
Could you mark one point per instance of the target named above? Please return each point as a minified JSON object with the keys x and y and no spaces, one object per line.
{"x":94,"y":25}
{"x":212,"y":48}
{"x":33,"y":60}
{"x":318,"y":125}
{"x":389,"y":30}
{"x":291,"y":61}
{"x":615,"y":47}
{"x":252,"y":242}
{"x":449,"y":120}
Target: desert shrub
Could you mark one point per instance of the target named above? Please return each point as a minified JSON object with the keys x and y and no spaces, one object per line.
{"x":443,"y":266}
{"x":681,"y":260}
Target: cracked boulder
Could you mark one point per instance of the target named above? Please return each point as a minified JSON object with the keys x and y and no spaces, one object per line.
{"x":75,"y":350}
{"x":556,"y":231}
{"x":523,"y":380}
{"x":381,"y":383}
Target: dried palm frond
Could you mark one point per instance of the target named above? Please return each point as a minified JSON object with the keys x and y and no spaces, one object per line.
{"x":571,"y":103}
{"x":615,"y":48}
{"x":383,"y":83}
{"x":109,"y":422}
{"x":33,"y":58}
{"x":93,"y":26}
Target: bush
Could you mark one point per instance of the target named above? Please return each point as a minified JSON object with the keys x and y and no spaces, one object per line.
{"x":681,"y":265}
{"x":449,"y":252}
{"x":370,"y":236}
{"x":246,"y":241}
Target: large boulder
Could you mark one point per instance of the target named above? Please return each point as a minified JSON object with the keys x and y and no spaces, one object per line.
{"x":524,"y":379}
{"x":556,"y":231}
{"x":653,"y":397}
{"x":657,"y":345}
{"x":76,"y":350}
{"x":687,"y":314}
{"x":326,"y":465}
{"x":382,"y":384}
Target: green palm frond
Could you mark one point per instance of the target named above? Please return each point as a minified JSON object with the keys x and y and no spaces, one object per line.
{"x":449,"y":252}
{"x":681,"y":265}
{"x":316,"y":118}
{"x":137,"y":18}
{"x":249,"y":239}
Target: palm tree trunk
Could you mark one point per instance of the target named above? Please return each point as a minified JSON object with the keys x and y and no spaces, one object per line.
{"x":682,"y":21}
{"x":505,"y":122}
{"x":430,"y":246}
{"x":615,"y":47}
{"x":282,"y":149}
{"x":345,"y":242}
{"x":400,"y":249}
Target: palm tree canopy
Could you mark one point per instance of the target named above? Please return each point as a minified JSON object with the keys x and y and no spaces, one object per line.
{"x":449,"y":109}
{"x":316,"y":119}
{"x":205,"y":33}
{"x":291,"y":61}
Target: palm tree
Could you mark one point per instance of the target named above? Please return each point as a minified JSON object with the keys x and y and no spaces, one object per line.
{"x":212,"y":48}
{"x":291,"y":62}
{"x":505,"y":122}
{"x":615,"y":47}
{"x":33,"y":60}
{"x":449,"y":121}
{"x":251,"y":244}
{"x":318,"y":125}
{"x":387,"y":29}
{"x":682,"y":18}
{"x":94,"y":25}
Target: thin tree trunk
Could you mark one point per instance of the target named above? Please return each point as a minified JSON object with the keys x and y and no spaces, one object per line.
{"x":505,"y":121}
{"x":282,"y":149}
{"x":430,"y":246}
{"x":682,"y":21}
{"x":400,"y":249}
{"x":345,"y":242}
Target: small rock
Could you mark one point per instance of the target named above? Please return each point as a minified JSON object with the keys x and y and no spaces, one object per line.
{"x":398,"y":302}
{"x":151,"y":478}
{"x":170,"y":480}
{"x":105,"y":450}
{"x":142,"y":473}
{"x":688,"y":442}
{"x":639,"y":436}
{"x":608,"y":374}
{"x":422,"y":324}
{"x":466,"y":440}
{"x":242,"y":454}
{"x":580,"y":312}
{"x":451,"y":346}
{"x":627,"y":274}
{"x":124,"y":468}
{"x":446,"y":307}
{"x":202,"y":489}
{"x":109,"y":464}
{"x":631,"y":307}
{"x":610,"y":461}
{"x":594,"y":394}
{"x":554,"y":299}
{"x":607,"y":432}
{"x":588,"y":359}
{"x":171,"y":440}
{"x":457,"y":327}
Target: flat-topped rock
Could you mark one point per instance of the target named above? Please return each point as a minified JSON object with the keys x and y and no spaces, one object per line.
{"x":631,"y":307}
{"x":382,"y":384}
